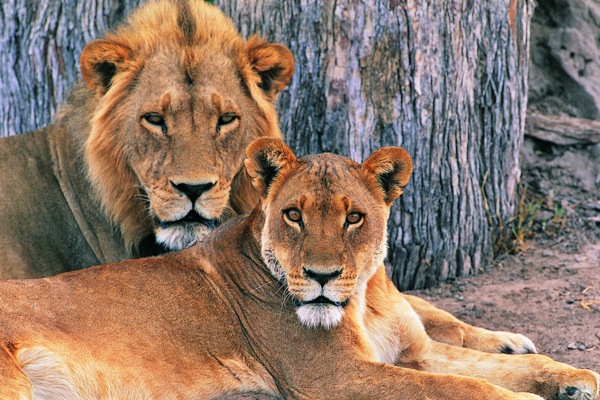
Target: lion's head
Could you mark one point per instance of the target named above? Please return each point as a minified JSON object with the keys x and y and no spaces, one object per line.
{"x":324,"y":232}
{"x":180,"y":96}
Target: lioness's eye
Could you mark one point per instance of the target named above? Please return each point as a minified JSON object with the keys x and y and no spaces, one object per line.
{"x":354,"y":218}
{"x":293,"y":215}
{"x":227,"y":119}
{"x":154,"y":119}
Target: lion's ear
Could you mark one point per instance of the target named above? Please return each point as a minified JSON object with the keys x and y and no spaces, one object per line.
{"x":273,"y":62}
{"x":266,"y":158}
{"x":390,"y":168}
{"x":100,"y":61}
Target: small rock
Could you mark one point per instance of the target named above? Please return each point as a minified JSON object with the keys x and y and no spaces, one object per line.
{"x":544,"y":216}
{"x":547,"y":253}
{"x":572,"y":346}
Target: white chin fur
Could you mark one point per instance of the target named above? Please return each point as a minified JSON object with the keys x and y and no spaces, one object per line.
{"x":320,"y":315}
{"x":179,"y":237}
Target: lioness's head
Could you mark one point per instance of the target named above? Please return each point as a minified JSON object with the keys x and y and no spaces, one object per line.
{"x":324,"y":233}
{"x":180,"y":96}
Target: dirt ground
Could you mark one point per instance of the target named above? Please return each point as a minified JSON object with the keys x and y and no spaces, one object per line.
{"x":551,"y":291}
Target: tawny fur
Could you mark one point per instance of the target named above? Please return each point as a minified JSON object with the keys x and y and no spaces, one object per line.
{"x":88,"y":189}
{"x":101,"y":183}
{"x":215,"y":319}
{"x":194,"y":34}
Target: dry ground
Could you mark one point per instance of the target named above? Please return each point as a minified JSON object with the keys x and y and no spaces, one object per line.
{"x":550,"y":292}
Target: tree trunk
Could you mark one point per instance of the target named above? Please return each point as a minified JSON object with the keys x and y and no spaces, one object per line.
{"x":40,"y":44}
{"x":444,"y":80}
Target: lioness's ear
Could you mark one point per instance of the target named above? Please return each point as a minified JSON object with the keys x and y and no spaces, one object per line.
{"x":391,"y":168}
{"x":273,"y":62}
{"x":267,"y":158}
{"x":100,"y":61}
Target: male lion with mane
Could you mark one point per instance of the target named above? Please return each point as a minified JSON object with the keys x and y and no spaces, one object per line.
{"x":148,"y":156}
{"x":291,"y":300}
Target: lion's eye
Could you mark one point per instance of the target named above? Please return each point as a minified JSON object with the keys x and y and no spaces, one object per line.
{"x":226,"y":119}
{"x":293,"y":215}
{"x":154,"y":119}
{"x":353,"y":218}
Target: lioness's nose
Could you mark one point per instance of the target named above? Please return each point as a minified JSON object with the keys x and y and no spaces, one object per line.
{"x":321,"y":277}
{"x":193,"y":191}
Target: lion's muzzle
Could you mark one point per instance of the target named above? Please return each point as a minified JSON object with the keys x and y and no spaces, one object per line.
{"x":182,"y":233}
{"x":322,"y":300}
{"x":191,"y":217}
{"x":321,"y":304}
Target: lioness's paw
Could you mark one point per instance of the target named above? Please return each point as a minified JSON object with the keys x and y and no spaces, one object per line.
{"x":482,"y":339}
{"x":515,"y":343}
{"x":580,"y":385}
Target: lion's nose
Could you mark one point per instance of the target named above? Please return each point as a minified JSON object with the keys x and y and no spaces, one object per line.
{"x":321,"y":277}
{"x":193,"y":191}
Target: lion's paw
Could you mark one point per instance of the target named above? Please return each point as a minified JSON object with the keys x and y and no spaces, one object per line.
{"x":515,"y":343}
{"x":580,"y":385}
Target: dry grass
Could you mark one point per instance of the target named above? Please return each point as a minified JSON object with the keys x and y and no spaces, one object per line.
{"x":535,"y":215}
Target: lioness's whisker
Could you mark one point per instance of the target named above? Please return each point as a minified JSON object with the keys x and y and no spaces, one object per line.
{"x":260,"y":286}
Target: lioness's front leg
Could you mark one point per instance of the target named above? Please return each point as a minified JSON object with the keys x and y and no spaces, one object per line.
{"x":446,"y":328}
{"x":532,"y":373}
{"x":367,"y":380}
{"x":521,"y":373}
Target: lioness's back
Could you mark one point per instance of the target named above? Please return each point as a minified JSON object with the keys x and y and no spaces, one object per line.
{"x":123,"y":296}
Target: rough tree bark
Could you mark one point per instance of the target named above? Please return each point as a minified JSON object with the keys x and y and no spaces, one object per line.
{"x":40,"y":44}
{"x":445,"y":80}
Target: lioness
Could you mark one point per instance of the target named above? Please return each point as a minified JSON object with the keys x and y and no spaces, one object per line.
{"x":291,"y":300}
{"x":148,"y":156}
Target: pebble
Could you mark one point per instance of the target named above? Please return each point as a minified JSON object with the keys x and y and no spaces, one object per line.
{"x":575,"y":346}
{"x":544,"y":216}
